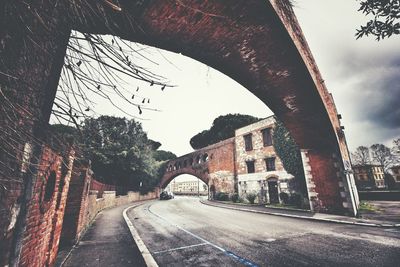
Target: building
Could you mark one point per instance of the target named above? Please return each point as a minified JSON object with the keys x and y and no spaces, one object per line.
{"x":259,"y":169}
{"x":396,"y":175}
{"x":192,"y":187}
{"x":369,"y":176}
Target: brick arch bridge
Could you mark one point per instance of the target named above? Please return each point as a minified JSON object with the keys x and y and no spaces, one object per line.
{"x":258,"y":43}
{"x":214,"y":165}
{"x":194,"y":164}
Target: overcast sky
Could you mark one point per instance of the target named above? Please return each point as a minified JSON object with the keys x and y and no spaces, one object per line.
{"x":363,"y":76}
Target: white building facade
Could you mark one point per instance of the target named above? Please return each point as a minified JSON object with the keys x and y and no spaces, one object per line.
{"x":259,"y":169}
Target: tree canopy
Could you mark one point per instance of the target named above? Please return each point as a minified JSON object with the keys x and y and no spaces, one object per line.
{"x":377,"y":154}
{"x":222,"y":128}
{"x":385,"y":21}
{"x":361,"y":156}
{"x":382,"y":155}
{"x":120,"y":152}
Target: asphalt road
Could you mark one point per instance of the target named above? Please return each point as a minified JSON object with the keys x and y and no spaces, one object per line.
{"x":184,"y":232}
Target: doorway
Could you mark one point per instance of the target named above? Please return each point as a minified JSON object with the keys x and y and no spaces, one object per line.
{"x":273,"y":191}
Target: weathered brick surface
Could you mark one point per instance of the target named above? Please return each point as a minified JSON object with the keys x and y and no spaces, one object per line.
{"x":77,"y":203}
{"x":214,"y":165}
{"x":100,"y":187}
{"x":46,"y":210}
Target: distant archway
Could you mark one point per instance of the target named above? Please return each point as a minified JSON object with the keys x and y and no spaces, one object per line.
{"x":185,"y":184}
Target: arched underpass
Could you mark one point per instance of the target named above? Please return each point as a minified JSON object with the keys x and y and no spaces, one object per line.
{"x":187,"y":185}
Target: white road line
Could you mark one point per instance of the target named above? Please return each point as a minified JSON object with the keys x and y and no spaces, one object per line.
{"x":226,"y":252}
{"x":186,"y":231}
{"x":180,"y":248}
{"x":148,"y":258}
{"x":392,"y":230}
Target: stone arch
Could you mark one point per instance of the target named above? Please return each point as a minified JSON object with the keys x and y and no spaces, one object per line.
{"x":167,"y":178}
{"x":272,"y":177}
{"x":260,"y":45}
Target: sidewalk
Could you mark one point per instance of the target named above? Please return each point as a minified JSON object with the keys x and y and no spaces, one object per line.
{"x":107,"y":242}
{"x":382,"y":222}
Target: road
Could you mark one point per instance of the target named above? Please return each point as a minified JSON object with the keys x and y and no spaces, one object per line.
{"x":184,"y":232}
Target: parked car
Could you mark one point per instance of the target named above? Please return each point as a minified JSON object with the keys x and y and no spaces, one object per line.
{"x":166,"y":195}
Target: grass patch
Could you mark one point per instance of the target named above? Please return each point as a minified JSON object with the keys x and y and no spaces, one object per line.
{"x":367,"y":207}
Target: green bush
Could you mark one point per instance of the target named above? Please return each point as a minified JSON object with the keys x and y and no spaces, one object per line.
{"x":284,"y":197}
{"x":221,"y":196}
{"x":251,"y":197}
{"x":235,"y":197}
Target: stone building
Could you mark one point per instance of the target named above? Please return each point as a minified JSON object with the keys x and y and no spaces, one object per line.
{"x":191,"y":187}
{"x":369,"y":176}
{"x":259,"y":169}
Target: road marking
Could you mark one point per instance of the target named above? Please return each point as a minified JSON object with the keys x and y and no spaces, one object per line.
{"x":180,"y":248}
{"x":206,"y":242}
{"x":392,"y":230}
{"x":148,"y":258}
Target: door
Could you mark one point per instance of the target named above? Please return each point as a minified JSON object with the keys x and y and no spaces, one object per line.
{"x":273,"y":192}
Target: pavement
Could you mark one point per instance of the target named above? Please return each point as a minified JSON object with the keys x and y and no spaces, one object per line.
{"x":384,"y":211}
{"x":107,"y":242}
{"x":388,"y":217}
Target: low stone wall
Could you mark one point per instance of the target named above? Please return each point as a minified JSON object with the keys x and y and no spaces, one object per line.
{"x":109,"y":199}
{"x":380,"y":195}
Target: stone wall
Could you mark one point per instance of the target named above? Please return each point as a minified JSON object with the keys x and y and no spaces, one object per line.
{"x":257,"y":182}
{"x":84,"y":204}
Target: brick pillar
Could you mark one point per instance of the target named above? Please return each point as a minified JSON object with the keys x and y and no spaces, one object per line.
{"x":76,"y":203}
{"x":329,"y":186}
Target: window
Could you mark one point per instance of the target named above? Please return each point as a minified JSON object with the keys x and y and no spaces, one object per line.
{"x":267,"y":137}
{"x":270,"y":163}
{"x":49,"y":189}
{"x":248,"y":143}
{"x":250,"y":166}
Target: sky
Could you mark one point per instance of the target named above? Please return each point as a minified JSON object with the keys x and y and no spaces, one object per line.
{"x":363,"y":76}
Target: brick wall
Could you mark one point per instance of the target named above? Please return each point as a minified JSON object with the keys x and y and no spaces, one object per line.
{"x":100,"y":187}
{"x":214,"y":165}
{"x":222,"y":166}
{"x":77,"y":203}
{"x":45,"y":210}
{"x":83,"y":203}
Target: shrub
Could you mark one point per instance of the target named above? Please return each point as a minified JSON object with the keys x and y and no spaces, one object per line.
{"x":284,"y":197}
{"x":235,"y":197}
{"x":222,"y":196}
{"x":296,"y":200}
{"x":251,"y":197}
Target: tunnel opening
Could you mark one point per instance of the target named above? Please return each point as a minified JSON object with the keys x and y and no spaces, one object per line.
{"x":187,"y":185}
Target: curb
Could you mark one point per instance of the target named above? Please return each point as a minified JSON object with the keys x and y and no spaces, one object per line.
{"x":148,"y":258}
{"x":383,"y":225}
